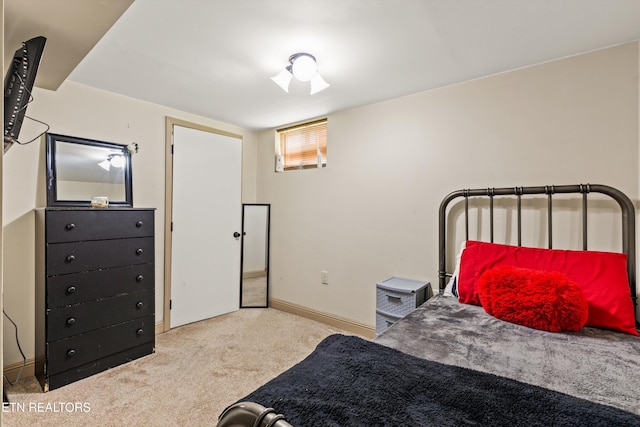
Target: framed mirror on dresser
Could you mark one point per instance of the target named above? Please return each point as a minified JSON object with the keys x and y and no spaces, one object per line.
{"x":80,"y":169}
{"x":95,"y":264}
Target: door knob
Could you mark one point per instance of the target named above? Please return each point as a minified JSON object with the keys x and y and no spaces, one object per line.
{"x":236,"y":234}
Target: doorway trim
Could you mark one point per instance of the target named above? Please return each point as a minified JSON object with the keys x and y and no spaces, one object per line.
{"x":170,"y":122}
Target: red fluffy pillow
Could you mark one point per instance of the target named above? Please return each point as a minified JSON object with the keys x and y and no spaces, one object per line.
{"x":543,"y":300}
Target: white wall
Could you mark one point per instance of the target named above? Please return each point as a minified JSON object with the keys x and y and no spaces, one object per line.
{"x":81,"y":111}
{"x":372,"y":212}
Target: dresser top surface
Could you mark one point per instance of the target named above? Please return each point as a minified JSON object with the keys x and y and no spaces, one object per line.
{"x":80,"y":208}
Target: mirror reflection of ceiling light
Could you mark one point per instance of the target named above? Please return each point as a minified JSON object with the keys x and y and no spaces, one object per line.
{"x":304,"y":68}
{"x":117,"y":161}
{"x":114,"y":160}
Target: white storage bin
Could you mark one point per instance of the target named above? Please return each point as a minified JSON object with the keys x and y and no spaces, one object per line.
{"x":384,"y":320}
{"x":396,"y":297}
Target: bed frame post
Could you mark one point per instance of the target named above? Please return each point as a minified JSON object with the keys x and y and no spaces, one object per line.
{"x":491,"y":192}
{"x":518,"y":193}
{"x":251,"y":414}
{"x":466,"y":214}
{"x":584,"y":190}
{"x":549,"y":190}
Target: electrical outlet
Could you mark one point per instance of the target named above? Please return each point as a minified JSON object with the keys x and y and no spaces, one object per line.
{"x":324,"y":277}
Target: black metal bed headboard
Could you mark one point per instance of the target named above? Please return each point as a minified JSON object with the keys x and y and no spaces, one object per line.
{"x":626,"y":206}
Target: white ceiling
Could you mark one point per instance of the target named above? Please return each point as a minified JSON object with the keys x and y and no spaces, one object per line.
{"x":71,"y":27}
{"x":215,"y":58}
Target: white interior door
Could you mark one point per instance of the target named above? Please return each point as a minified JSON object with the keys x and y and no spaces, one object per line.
{"x":205,"y":255}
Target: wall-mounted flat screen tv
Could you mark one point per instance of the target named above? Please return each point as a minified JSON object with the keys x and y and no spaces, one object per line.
{"x":18,"y":84}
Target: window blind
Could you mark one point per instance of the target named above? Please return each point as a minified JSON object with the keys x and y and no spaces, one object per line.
{"x":300,"y":145}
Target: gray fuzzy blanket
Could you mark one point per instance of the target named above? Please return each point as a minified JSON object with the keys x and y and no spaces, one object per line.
{"x":594,"y":364}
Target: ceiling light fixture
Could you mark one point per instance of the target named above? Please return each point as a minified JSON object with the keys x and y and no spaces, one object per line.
{"x":303,"y":67}
{"x":114,"y":160}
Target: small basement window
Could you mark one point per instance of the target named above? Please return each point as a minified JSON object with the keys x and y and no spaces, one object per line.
{"x":302,"y":146}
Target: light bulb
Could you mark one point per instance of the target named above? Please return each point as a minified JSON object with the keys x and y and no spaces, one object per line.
{"x":304,"y":68}
{"x":117,"y":161}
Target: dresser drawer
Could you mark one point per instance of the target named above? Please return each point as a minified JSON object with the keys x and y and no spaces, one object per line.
{"x":75,"y":257}
{"x":65,"y":322}
{"x":69,"y":289}
{"x":97,"y":224}
{"x":51,"y":382}
{"x":80,"y":349}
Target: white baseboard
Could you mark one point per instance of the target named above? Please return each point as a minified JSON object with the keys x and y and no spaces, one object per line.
{"x":329,"y":319}
{"x":160,"y":327}
{"x":12,"y":371}
{"x":254,"y":274}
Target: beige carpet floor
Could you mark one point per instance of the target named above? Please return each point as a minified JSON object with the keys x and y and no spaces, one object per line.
{"x":196,"y":371}
{"x":254,"y":291}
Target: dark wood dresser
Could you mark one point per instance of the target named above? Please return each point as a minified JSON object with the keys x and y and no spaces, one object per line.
{"x":95,"y":292}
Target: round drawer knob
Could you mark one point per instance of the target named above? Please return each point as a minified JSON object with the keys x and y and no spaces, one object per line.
{"x":71,"y":321}
{"x":71,"y":289}
{"x":139,"y":251}
{"x":71,"y":353}
{"x":139,"y":224}
{"x":139,"y":304}
{"x":140,"y":332}
{"x":140,"y":278}
{"x":70,"y":258}
{"x":69,"y":226}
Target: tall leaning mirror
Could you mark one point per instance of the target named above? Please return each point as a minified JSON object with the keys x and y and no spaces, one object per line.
{"x":79,"y":169}
{"x":254,"y":286}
